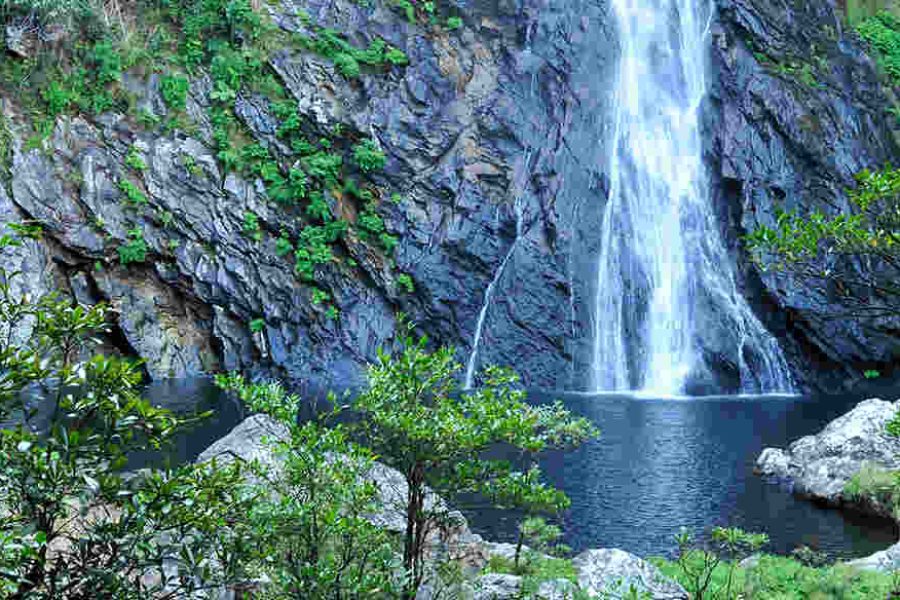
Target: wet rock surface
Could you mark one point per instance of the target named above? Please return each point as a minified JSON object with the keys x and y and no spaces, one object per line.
{"x":495,"y":136}
{"x":796,"y":110}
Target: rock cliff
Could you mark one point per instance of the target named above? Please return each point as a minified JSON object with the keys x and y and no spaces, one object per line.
{"x":494,"y":136}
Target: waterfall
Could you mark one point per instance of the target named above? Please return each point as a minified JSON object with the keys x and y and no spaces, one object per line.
{"x":664,"y":275}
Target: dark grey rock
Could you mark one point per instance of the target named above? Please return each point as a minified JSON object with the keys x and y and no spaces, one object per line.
{"x":794,"y":140}
{"x":494,"y":137}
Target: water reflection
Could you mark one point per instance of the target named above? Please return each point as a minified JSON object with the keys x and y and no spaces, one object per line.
{"x":663,"y":464}
{"x":657,"y":466}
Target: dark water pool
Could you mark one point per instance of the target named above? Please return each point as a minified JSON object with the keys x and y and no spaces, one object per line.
{"x":657,"y":466}
{"x":663,"y":464}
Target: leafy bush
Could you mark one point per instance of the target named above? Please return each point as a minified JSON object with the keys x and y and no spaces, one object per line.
{"x":135,"y":249}
{"x":283,"y":245}
{"x":74,"y":525}
{"x":882,"y":32}
{"x":812,"y":246}
{"x":347,"y":58}
{"x":710,"y":572}
{"x":319,"y":541}
{"x":369,"y":156}
{"x":875,"y":484}
{"x":405,"y":282}
{"x":174,"y":90}
{"x":132,"y":193}
{"x":251,"y":227}
{"x":134,"y":160}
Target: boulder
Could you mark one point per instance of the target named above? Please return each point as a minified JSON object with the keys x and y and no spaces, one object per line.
{"x":497,"y":586}
{"x":885,"y":561}
{"x":820,"y":465}
{"x":557,"y":589}
{"x":613,"y":572}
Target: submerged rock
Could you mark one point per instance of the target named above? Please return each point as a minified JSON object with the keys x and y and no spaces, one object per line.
{"x":820,"y":465}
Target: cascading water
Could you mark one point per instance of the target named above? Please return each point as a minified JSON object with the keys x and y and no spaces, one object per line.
{"x":663,"y":272}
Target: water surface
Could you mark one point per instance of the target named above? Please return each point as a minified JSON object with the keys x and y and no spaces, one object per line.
{"x":658,"y":465}
{"x":661,"y":464}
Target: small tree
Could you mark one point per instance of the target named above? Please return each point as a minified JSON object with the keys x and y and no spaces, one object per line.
{"x":415,"y":418}
{"x":315,"y":520}
{"x":73,"y":524}
{"x":526,"y":492}
{"x":699,"y":564}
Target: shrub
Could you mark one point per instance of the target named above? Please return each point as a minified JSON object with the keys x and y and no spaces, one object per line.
{"x":134,"y":160}
{"x":414,"y":417}
{"x":877,"y":485}
{"x":882,"y":32}
{"x":132,"y":193}
{"x":135,"y":249}
{"x":318,"y":540}
{"x":251,"y":227}
{"x":174,"y":90}
{"x":368,"y":156}
{"x":405,"y":283}
{"x":74,"y":524}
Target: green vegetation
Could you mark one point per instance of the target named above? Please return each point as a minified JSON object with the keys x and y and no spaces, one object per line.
{"x":135,"y":249}
{"x":781,"y":578}
{"x":348,"y":58}
{"x":405,"y":282}
{"x":812,"y":246}
{"x":231,"y":42}
{"x":134,"y":160}
{"x":882,"y":32}
{"x":876,"y":485}
{"x":74,"y":525}
{"x":368,"y":156}
{"x":251,"y":227}
{"x":257,"y":325}
{"x":132,"y":193}
{"x":174,"y":90}
{"x":536,"y":570}
{"x":414,"y":417}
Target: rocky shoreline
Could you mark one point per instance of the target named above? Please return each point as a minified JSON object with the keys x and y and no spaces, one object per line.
{"x":817,"y":466}
{"x":820,"y":466}
{"x":600,"y":572}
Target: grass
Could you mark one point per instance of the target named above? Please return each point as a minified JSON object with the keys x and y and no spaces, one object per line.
{"x":783,"y":578}
{"x":534,"y":570}
{"x":876,"y":485}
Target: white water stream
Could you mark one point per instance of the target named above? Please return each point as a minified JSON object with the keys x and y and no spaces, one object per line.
{"x":663,"y":272}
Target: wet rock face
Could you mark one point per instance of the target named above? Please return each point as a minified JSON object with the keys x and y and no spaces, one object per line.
{"x":495,"y":137}
{"x":474,"y":133}
{"x":796,"y":110}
